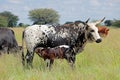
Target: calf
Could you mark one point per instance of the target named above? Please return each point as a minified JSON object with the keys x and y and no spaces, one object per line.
{"x":49,"y":54}
{"x":103,"y":31}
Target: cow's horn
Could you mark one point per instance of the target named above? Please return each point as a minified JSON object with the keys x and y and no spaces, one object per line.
{"x":99,"y":21}
{"x":87,"y":20}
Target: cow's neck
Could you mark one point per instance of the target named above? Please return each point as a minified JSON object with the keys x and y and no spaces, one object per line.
{"x":80,"y":43}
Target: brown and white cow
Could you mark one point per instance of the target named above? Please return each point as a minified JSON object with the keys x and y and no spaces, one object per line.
{"x":103,"y":31}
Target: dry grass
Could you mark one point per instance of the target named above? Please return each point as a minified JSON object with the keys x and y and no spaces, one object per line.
{"x":18,"y":34}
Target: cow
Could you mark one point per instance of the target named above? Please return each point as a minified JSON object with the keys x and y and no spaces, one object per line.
{"x":49,"y":54}
{"x":103,"y":31}
{"x":76,"y":36}
{"x":8,"y":42}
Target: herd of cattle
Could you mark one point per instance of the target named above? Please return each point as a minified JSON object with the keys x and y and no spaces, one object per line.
{"x":50,"y":42}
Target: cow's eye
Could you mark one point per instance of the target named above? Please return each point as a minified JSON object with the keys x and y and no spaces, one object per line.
{"x":92,"y":31}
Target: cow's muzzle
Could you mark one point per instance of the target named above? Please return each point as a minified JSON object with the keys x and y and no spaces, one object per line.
{"x":98,"y":40}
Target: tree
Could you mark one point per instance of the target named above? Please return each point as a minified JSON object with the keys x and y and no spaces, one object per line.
{"x":43,"y":16}
{"x":3,"y":21}
{"x":21,"y":24}
{"x":108,"y":22}
{"x":11,"y":18}
{"x":116,"y":23}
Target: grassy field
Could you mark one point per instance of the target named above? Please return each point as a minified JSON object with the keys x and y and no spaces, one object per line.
{"x":97,"y":62}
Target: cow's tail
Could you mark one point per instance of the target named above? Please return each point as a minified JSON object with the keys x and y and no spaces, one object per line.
{"x":23,"y":57}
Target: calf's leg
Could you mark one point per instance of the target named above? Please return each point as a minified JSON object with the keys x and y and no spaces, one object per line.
{"x":49,"y":63}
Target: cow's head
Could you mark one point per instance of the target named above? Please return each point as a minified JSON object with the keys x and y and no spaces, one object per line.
{"x":92,"y":31}
{"x":103,"y":31}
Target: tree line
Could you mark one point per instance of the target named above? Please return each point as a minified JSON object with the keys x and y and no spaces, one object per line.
{"x":40,"y":16}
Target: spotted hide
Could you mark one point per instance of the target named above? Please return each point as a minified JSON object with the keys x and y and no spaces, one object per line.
{"x":76,"y":35}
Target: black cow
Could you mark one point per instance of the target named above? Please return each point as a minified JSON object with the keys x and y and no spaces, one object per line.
{"x":75,"y":35}
{"x":8,"y":42}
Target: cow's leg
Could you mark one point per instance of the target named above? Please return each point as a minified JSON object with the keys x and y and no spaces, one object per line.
{"x":70,"y":57}
{"x":29,"y":58}
{"x":5,"y":49}
{"x":71,"y":60}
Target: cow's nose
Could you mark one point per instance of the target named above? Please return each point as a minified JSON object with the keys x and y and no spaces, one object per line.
{"x":98,"y":40}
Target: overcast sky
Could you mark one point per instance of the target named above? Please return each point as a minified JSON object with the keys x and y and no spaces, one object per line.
{"x":69,"y":10}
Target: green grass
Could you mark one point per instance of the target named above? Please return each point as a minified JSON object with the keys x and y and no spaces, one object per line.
{"x":97,"y":62}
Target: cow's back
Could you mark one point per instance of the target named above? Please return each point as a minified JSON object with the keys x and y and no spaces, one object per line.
{"x":34,"y":37}
{"x":50,"y":36}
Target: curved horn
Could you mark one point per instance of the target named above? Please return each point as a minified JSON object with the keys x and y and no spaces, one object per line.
{"x":99,"y":21}
{"x":87,"y":20}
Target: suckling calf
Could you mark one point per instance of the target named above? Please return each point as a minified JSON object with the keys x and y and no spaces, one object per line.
{"x":49,"y":54}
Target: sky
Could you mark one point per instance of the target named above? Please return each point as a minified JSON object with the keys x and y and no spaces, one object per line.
{"x":69,"y":10}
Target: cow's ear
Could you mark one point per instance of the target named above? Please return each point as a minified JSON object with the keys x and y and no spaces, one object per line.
{"x":87,"y":26}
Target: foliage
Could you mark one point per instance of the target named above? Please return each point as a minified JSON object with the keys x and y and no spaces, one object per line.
{"x":3,"y":21}
{"x":22,"y":25}
{"x":116,"y":23}
{"x":11,"y":18}
{"x":108,"y":22}
{"x":43,"y":16}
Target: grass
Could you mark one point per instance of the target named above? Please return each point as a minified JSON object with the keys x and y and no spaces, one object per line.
{"x":97,"y":62}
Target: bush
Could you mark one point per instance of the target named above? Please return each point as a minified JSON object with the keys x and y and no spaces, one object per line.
{"x":3,"y":21}
{"x":116,"y":23}
{"x":43,"y":16}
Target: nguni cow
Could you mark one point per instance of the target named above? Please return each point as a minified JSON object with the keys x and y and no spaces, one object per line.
{"x":103,"y":31}
{"x":8,"y":42}
{"x":49,"y":54}
{"x":76,"y":35}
